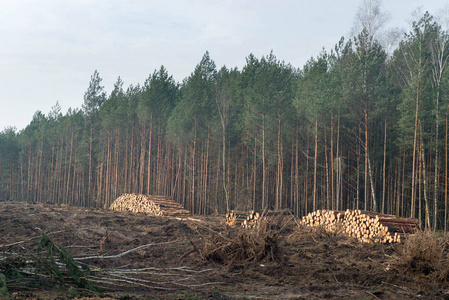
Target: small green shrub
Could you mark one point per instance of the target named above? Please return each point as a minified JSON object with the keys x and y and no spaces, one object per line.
{"x":3,"y":288}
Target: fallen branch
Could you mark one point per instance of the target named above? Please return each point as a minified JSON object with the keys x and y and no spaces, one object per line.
{"x":194,"y":246}
{"x":131,"y":282}
{"x":38,"y":236}
{"x":182,"y":269}
{"x":124,"y":253}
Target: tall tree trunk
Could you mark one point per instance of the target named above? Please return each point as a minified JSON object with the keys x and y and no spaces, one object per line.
{"x":264,"y":168}
{"x":142,"y":160}
{"x":235,"y":178}
{"x":292,"y":203}
{"x":332,"y":163}
{"x":70,"y":164}
{"x":206,"y":179}
{"x":125,"y":167}
{"x":159,"y":162}
{"x":56,"y":174}
{"x":39,"y":182}
{"x":328,"y":204}
{"x":281,"y":196}
{"x":108,"y":172}
{"x":89,"y":187}
{"x":297,"y":197}
{"x":223,"y":164}
{"x":132,"y":168}
{"x":315,"y":166}
{"x":228,"y":178}
{"x":278,"y":175}
{"x":384,"y":168}
{"x":117,"y":152}
{"x":51,"y":174}
{"x":184,"y":181}
{"x":420,"y":175}
{"x":397,"y":186}
{"x":401,"y":204}
{"x":435,"y":186}
{"x":306,"y":178}
{"x":368,"y":170}
{"x":412,"y":214}
{"x":358,"y":170}
{"x":425,"y":182}
{"x":136,"y":161}
{"x":193,"y":167}
{"x":255,"y":173}
{"x":445,"y":175}
{"x":337,"y":195}
{"x":74,"y":193}
{"x":366,"y":207}
{"x":149,"y":156}
{"x":373,"y":194}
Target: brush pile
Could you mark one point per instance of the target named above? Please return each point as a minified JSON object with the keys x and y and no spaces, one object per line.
{"x":152,"y":205}
{"x":262,"y":244}
{"x":425,"y":257}
{"x":367,"y":227}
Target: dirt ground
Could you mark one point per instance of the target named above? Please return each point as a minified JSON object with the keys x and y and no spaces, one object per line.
{"x":134,"y":256}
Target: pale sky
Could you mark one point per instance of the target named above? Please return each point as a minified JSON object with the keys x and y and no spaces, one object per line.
{"x":50,"y":48}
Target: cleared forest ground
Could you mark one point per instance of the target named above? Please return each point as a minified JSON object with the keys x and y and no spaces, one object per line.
{"x":133,"y":256}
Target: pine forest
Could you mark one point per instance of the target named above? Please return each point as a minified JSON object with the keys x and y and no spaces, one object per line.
{"x":360,"y":126}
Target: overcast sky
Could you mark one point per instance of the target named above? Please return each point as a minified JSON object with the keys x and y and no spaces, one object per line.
{"x":50,"y":48}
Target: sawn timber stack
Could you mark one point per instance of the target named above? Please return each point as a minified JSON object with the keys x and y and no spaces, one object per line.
{"x":250,"y":219}
{"x":244,"y":219}
{"x":365,"y":226}
{"x":153,"y":205}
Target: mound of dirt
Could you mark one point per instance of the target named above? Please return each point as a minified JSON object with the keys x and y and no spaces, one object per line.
{"x":135,"y":256}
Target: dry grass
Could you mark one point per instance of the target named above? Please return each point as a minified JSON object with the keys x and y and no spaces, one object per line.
{"x":424,"y":256}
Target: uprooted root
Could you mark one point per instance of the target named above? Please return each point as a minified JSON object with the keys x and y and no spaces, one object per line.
{"x":260,"y":244}
{"x":425,"y":257}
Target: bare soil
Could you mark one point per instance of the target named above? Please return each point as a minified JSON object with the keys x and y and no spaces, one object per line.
{"x":134,"y":256}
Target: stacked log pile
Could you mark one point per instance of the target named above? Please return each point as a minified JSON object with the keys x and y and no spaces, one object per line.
{"x":367,"y":227}
{"x":250,"y":219}
{"x":244,"y":219}
{"x":152,"y":205}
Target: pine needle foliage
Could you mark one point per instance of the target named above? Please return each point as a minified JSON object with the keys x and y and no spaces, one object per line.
{"x":74,"y":271}
{"x":3,"y":288}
